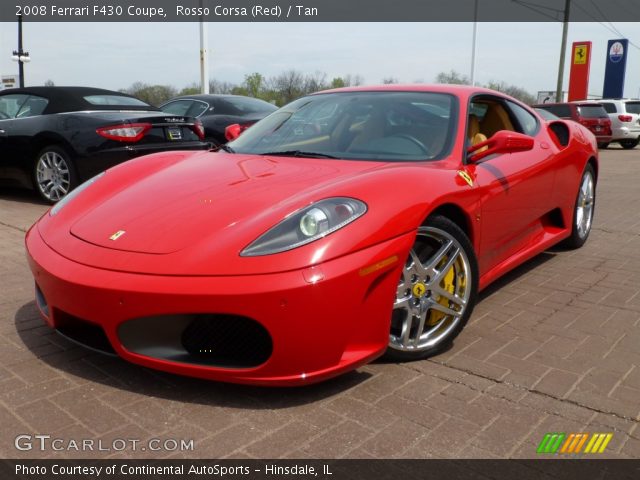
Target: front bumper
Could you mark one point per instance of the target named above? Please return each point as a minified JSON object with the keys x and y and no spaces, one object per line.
{"x":323,"y":321}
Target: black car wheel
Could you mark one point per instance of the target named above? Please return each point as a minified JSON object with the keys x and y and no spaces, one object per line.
{"x":436,"y":292}
{"x":583,"y":210}
{"x":603,"y":145}
{"x":53,"y":173}
{"x":629,"y":144}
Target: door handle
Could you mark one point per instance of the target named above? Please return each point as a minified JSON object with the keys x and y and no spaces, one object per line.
{"x":544,"y":145}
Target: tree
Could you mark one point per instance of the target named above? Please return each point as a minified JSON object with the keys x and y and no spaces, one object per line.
{"x":389,"y":80}
{"x":314,"y":82}
{"x":254,"y":84}
{"x":453,"y":77}
{"x":521,"y":94}
{"x":216,"y":86}
{"x":512,"y":90}
{"x":49,"y":83}
{"x":353,"y":80}
{"x":152,"y":94}
{"x":337,"y":82}
{"x":288,"y":85}
{"x":192,"y":89}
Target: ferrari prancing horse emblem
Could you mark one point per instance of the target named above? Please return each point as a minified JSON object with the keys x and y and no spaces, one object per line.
{"x":117,"y":235}
{"x":419,"y":290}
{"x":466,"y":177}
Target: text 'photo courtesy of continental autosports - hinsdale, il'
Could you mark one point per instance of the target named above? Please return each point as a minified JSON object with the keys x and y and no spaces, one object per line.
{"x":346,"y":225}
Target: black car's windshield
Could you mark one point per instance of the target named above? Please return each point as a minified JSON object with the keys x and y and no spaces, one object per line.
{"x":389,"y":126}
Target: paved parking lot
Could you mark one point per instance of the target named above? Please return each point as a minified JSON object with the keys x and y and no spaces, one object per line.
{"x":553,"y":347}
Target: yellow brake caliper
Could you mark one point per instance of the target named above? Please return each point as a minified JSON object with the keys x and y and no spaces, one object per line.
{"x":448,"y":285}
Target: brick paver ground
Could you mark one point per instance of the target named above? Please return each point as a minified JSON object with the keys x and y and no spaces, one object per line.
{"x":554,"y":346}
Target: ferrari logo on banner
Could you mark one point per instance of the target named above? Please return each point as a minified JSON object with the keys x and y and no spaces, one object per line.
{"x":580,"y":54}
{"x":579,"y":74}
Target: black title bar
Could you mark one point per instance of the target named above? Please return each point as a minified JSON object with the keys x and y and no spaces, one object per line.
{"x":547,"y":469}
{"x":319,"y":10}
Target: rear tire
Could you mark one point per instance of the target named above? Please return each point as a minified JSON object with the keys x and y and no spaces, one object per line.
{"x":54,"y":175}
{"x":629,"y":144}
{"x":436,"y":292}
{"x":603,"y":145}
{"x":583,"y":209}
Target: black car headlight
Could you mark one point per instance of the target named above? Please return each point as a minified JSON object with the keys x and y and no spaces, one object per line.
{"x":69,"y":196}
{"x":307,"y":225}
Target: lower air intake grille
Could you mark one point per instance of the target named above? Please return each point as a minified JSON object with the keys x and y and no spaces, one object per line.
{"x":228,"y":340}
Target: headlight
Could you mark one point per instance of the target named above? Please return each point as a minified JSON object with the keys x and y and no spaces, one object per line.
{"x":69,"y":196}
{"x":307,"y":225}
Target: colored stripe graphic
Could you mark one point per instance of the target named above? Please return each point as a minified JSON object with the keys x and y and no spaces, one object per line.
{"x":551,"y":442}
{"x":572,"y":443}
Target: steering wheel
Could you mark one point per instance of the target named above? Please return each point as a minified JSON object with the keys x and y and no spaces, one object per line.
{"x":413,"y":140}
{"x":4,"y":115}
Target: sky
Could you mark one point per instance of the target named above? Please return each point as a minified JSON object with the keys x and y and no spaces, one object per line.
{"x":115,"y":55}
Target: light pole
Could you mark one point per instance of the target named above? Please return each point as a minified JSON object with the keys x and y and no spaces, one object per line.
{"x":204,"y":56}
{"x":20,"y":55}
{"x":474,"y":44}
{"x":563,"y":48}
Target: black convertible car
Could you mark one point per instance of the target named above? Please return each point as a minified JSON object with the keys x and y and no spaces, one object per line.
{"x":217,"y":112}
{"x":52,"y":138}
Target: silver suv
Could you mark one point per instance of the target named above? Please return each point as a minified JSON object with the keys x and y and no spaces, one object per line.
{"x":625,"y":120}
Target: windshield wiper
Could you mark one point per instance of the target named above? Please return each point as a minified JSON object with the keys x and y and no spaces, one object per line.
{"x":298,"y":153}
{"x":226,"y":149}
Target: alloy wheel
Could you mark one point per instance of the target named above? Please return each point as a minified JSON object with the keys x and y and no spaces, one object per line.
{"x":433,"y":292}
{"x":53,"y":176}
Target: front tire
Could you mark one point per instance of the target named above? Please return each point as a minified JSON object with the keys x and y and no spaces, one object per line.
{"x":603,"y":145}
{"x":583,"y":209}
{"x":436,"y":292}
{"x":53,"y":173}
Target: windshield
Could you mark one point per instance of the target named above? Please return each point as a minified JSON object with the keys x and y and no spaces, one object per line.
{"x":389,"y":126}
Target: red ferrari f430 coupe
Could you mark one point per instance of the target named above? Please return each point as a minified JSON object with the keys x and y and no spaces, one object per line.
{"x":347,"y":224}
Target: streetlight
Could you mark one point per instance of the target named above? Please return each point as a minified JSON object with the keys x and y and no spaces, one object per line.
{"x":20,"y":55}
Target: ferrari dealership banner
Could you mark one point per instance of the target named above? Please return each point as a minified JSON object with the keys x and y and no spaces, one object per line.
{"x":579,"y":75}
{"x":615,"y":69}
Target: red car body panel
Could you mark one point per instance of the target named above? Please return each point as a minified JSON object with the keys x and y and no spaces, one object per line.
{"x":327,"y":304}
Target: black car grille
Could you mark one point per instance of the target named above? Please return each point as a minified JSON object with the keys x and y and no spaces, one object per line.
{"x":82,"y":332}
{"x":228,"y":340}
{"x":216,"y":340}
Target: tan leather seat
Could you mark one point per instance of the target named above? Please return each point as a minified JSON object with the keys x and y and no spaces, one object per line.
{"x":473,"y":132}
{"x":372,"y":129}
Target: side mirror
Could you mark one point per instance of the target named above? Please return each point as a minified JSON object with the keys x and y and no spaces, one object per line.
{"x":503,"y":141}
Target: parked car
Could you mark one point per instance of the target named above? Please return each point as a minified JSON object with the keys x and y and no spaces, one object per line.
{"x":625,"y":120}
{"x":53,"y":138}
{"x":217,"y":112}
{"x":348,"y":223}
{"x":587,"y":113}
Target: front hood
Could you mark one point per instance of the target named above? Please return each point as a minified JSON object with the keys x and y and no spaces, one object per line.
{"x":177,"y":205}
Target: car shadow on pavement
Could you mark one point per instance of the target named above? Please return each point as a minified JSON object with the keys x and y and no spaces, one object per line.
{"x":22,"y":195}
{"x":517,"y":272}
{"x":112,"y":372}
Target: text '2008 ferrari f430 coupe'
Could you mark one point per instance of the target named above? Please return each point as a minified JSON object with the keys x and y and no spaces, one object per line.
{"x":344,"y":225}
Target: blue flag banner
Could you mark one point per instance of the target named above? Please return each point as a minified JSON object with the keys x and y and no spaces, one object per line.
{"x":616,"y":67}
